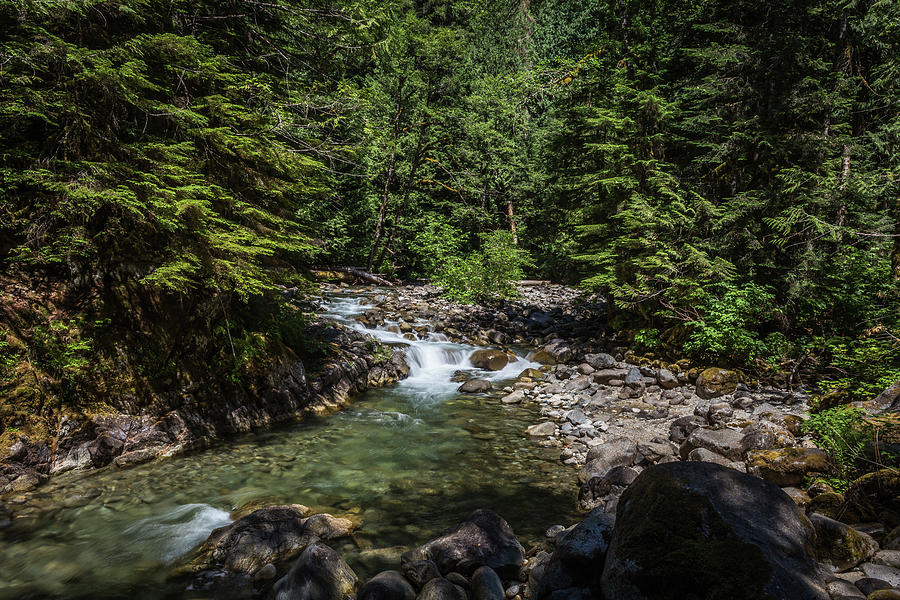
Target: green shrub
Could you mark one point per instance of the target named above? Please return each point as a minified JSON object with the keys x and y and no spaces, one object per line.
{"x":487,"y":274}
{"x":728,"y":324}
{"x":843,"y":433}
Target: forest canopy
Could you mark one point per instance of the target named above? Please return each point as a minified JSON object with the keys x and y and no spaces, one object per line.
{"x":725,"y":172}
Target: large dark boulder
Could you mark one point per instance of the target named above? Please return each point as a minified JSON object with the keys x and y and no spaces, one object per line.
{"x":701,"y":530}
{"x":483,"y":539}
{"x":319,"y":574}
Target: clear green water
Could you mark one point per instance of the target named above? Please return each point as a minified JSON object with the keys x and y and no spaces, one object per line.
{"x":408,"y":461}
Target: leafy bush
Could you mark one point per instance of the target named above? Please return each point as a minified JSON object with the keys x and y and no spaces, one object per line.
{"x":487,"y":274}
{"x":864,"y":366}
{"x":9,"y":357}
{"x":728,"y":327}
{"x":843,"y":433}
{"x":63,"y":349}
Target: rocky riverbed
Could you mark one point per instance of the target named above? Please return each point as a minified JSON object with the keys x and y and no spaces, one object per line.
{"x":694,"y":481}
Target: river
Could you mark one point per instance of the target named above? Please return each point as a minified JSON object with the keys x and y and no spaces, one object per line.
{"x":407,"y":461}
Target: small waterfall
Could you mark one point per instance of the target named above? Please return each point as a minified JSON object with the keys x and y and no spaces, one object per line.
{"x":432,"y":358}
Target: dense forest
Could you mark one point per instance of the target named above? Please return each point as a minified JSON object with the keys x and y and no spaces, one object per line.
{"x":725,"y":172}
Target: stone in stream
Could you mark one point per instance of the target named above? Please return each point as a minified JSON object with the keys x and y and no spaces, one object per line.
{"x":387,"y":585}
{"x":541,"y":429}
{"x":700,"y":530}
{"x":491,"y":360}
{"x":267,"y":535}
{"x":483,"y":539}
{"x":475,"y":386}
{"x":319,"y":574}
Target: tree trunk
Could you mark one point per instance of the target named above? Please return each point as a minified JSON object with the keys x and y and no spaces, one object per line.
{"x":512,"y":221}
{"x":379,"y":223}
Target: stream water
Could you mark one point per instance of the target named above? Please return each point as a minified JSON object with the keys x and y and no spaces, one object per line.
{"x":407,"y":461}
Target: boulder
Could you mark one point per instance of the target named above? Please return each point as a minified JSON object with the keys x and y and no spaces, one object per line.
{"x":600,"y":361}
{"x":605,"y":376}
{"x":515,"y":397}
{"x":634,"y":378}
{"x":700,"y":530}
{"x":682,"y":427}
{"x":420,"y":572}
{"x":319,"y":574}
{"x":716,"y":382}
{"x":541,"y":429}
{"x":666,"y":379}
{"x":726,"y":442}
{"x":532,"y":374}
{"x":387,"y":585}
{"x":882,"y":572}
{"x":483,"y":539}
{"x":787,"y":466}
{"x":475,"y":386}
{"x":840,"y":545}
{"x":582,"y":549}
{"x":442,"y":589}
{"x":486,"y":585}
{"x":617,"y":452}
{"x":491,"y":360}
{"x":267,"y":535}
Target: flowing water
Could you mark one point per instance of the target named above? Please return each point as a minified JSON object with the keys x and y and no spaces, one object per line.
{"x":406,"y":461}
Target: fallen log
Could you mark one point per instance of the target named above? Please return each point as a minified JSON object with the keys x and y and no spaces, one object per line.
{"x":359,"y":273}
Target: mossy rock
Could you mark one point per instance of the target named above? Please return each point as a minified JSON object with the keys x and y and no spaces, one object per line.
{"x":532,"y":374}
{"x":787,"y":466}
{"x":839,"y":544}
{"x":700,"y":530}
{"x":543,"y":357}
{"x":833,"y":399}
{"x":715,"y":382}
{"x":876,"y":496}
